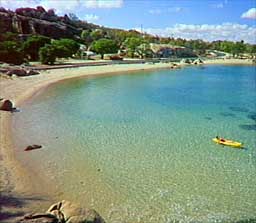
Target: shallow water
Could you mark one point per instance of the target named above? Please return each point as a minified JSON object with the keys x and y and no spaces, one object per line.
{"x":137,"y":147}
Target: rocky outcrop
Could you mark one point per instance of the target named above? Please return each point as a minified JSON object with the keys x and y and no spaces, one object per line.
{"x":64,"y":212}
{"x":28,"y":25}
{"x":6,"y":105}
{"x":39,"y":21}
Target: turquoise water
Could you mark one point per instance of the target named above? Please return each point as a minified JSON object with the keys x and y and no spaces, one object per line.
{"x":138,"y":147}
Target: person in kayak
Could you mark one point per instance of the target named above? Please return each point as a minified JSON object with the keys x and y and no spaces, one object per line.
{"x":221,"y":139}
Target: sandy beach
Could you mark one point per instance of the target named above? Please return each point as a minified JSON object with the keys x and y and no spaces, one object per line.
{"x":229,"y":61}
{"x":23,"y":191}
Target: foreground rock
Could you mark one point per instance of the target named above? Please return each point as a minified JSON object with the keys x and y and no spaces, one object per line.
{"x":70,"y":213}
{"x":64,"y":212}
{"x":40,"y":218}
{"x":6,"y":105}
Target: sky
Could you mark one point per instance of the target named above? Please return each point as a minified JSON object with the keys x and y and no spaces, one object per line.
{"x":209,"y":20}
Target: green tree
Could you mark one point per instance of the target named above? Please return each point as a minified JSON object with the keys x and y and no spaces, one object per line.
{"x":97,"y":34}
{"x":65,"y":48}
{"x":11,"y":52}
{"x":238,"y":48}
{"x":104,"y":46}
{"x":132,"y":44}
{"x":32,"y":45}
{"x":251,"y":49}
{"x":47,"y":54}
{"x":86,"y":37}
{"x":226,"y":46}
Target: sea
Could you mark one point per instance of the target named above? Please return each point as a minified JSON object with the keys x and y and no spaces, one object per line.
{"x":137,"y":147}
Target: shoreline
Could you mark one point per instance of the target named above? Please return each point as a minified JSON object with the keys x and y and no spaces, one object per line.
{"x":229,"y":62}
{"x":15,"y":180}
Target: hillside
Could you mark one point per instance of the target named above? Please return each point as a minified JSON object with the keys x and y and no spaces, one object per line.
{"x":40,"y":21}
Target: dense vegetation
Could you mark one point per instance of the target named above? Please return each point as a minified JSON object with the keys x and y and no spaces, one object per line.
{"x":16,"y":48}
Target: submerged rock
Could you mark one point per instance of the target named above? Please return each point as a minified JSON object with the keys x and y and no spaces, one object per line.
{"x":250,"y":127}
{"x":252,"y":116}
{"x":32,"y":147}
{"x":238,"y":109}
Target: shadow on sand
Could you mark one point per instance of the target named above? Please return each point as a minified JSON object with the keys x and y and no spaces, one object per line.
{"x":10,"y":206}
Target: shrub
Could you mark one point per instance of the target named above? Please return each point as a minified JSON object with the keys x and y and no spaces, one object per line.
{"x":10,"y":52}
{"x":47,"y":54}
{"x":65,"y":47}
{"x":33,"y":44}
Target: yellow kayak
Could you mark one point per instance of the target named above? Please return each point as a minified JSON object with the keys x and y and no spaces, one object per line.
{"x":227,"y":142}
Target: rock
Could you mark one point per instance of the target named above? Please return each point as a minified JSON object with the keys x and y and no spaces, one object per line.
{"x":185,"y":61}
{"x":18,"y":72}
{"x":32,"y":147}
{"x":6,"y":105}
{"x":40,"y":218}
{"x":75,"y":214}
{"x":33,"y":22}
{"x":21,"y":72}
{"x":32,"y":72}
{"x":198,"y":61}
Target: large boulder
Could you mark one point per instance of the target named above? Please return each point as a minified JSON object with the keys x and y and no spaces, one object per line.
{"x":21,"y":72}
{"x":71,"y":213}
{"x":18,"y":72}
{"x":6,"y":105}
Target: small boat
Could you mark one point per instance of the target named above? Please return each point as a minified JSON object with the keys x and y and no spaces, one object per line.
{"x":227,"y":142}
